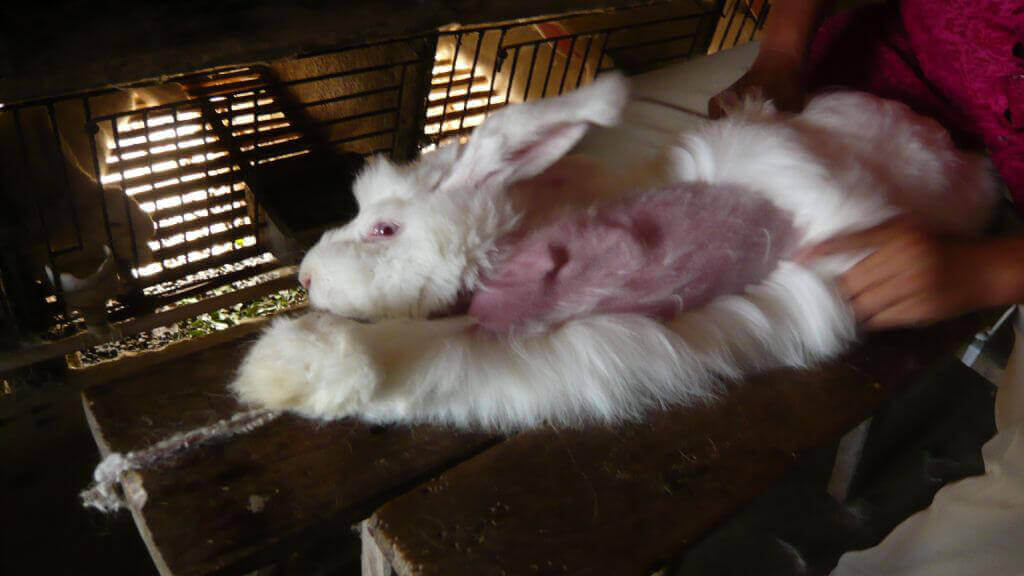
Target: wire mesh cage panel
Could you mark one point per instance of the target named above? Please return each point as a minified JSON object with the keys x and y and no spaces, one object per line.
{"x":478,"y":70}
{"x":740,"y":22}
{"x":117,"y":204}
{"x":185,"y":163}
{"x":155,"y":176}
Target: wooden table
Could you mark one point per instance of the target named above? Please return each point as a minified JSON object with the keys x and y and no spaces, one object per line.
{"x":284,"y":489}
{"x":625,"y":501}
{"x":591,"y":501}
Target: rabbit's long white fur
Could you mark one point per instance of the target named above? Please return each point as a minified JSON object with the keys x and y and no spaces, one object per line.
{"x":841,"y":165}
{"x":601,"y":368}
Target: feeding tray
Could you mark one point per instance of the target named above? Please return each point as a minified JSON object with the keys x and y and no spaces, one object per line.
{"x":305,"y":195}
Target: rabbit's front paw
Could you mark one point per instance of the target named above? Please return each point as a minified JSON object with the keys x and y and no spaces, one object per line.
{"x":315,"y":365}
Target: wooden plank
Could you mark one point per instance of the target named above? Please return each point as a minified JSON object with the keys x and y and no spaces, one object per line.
{"x":131,"y":363}
{"x":624,"y":501}
{"x":241,"y":504}
{"x":279,"y":279}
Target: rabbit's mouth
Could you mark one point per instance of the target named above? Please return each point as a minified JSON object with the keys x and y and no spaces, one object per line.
{"x":459,"y":308}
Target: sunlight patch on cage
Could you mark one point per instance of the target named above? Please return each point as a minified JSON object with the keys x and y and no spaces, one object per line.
{"x":172,"y":160}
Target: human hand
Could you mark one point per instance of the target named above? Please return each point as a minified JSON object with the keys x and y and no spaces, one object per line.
{"x":777,"y":74}
{"x":912,"y":278}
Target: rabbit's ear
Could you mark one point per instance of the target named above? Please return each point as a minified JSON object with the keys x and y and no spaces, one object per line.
{"x":523,"y":140}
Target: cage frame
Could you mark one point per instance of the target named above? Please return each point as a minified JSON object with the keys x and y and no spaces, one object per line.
{"x":715,"y":20}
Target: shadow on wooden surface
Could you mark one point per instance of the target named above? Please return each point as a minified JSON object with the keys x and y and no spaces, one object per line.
{"x":249,"y":501}
{"x":624,"y":501}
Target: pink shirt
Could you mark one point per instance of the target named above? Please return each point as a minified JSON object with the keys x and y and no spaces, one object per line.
{"x":960,"y":61}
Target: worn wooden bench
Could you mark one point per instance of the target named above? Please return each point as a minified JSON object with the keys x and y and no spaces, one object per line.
{"x":626,"y":500}
{"x":437,"y":501}
{"x":281,"y":491}
{"x":599,"y":500}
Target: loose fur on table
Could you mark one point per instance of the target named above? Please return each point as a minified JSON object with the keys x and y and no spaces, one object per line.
{"x":104,"y":495}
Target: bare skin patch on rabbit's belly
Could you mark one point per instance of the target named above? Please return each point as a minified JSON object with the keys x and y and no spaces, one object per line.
{"x":657,"y":254}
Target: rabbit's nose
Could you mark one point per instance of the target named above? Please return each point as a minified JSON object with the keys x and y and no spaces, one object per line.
{"x":305,"y":278}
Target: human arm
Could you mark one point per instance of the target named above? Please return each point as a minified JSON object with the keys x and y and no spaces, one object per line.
{"x":779,"y":68}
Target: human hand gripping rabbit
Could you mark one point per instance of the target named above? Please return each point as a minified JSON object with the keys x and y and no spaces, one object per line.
{"x":499,"y":285}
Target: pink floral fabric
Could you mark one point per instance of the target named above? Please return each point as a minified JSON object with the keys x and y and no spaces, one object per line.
{"x":960,"y":61}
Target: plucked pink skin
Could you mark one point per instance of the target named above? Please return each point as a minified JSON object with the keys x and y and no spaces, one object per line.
{"x":657,"y":254}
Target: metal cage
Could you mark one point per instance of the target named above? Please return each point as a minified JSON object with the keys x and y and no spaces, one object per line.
{"x":161,"y":177}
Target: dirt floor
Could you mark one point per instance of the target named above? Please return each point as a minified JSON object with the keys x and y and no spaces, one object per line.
{"x":46,"y":457}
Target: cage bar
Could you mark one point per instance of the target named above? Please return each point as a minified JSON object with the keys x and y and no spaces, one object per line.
{"x":184,"y":162}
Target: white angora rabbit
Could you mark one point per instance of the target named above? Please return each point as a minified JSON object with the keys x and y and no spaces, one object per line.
{"x":498,"y":284}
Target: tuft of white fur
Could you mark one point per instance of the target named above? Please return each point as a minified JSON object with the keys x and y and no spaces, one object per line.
{"x":849,"y":161}
{"x":794,"y":318}
{"x":313,"y":365}
{"x":604,"y":369}
{"x":846,"y":163}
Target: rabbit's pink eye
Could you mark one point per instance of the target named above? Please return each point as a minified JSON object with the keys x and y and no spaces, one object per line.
{"x":383,"y":230}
